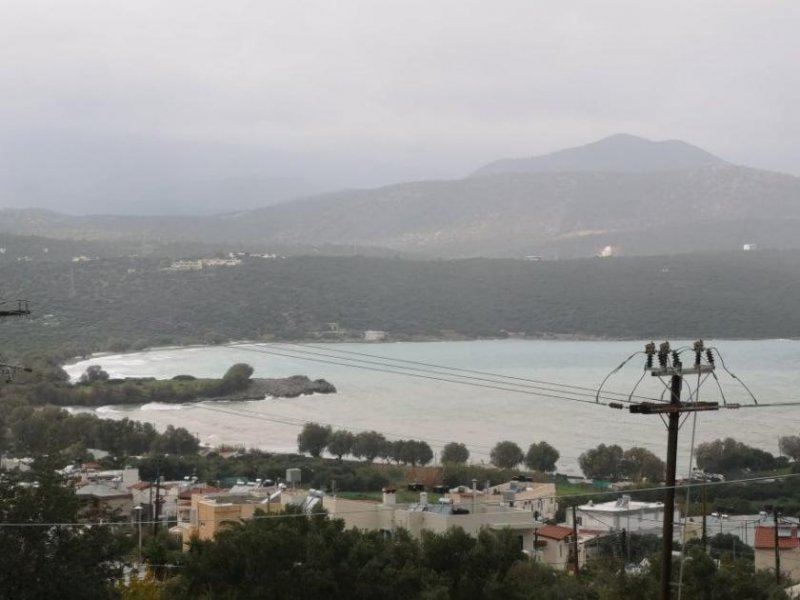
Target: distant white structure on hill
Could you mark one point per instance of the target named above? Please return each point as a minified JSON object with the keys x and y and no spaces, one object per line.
{"x":374,"y":335}
{"x":196,"y":265}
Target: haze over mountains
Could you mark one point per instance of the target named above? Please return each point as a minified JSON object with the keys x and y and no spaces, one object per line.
{"x":622,"y":195}
{"x":620,"y":153}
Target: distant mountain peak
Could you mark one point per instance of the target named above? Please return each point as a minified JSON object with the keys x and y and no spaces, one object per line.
{"x":619,"y":153}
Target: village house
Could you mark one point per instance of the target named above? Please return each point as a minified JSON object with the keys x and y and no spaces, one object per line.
{"x":186,"y":496}
{"x":538,"y":498}
{"x":623,"y":513}
{"x":105,"y":494}
{"x":144,"y":494}
{"x":388,"y":516}
{"x":788,"y":547}
{"x":208,"y":513}
{"x":552,"y":546}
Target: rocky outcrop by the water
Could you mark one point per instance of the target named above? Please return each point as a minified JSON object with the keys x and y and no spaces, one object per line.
{"x":289,"y":387}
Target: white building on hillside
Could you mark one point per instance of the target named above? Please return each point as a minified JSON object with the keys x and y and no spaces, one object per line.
{"x":622,"y":513}
{"x":538,"y":498}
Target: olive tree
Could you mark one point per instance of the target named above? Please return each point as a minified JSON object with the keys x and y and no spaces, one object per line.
{"x":340,"y":443}
{"x":368,"y":445}
{"x":506,"y":455}
{"x":313,"y":439}
{"x":541,"y":457}
{"x":640,"y":464}
{"x":455,"y":453}
{"x":602,"y":462}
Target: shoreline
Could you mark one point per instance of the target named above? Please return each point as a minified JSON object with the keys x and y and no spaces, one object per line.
{"x":420,"y":339}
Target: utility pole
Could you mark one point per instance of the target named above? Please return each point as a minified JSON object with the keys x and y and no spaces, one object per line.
{"x":775,"y":511}
{"x":670,"y":365}
{"x":158,"y":501}
{"x":574,"y":545}
{"x":705,"y":533}
{"x":669,"y":500}
{"x":626,"y":546}
{"x":139,"y":510}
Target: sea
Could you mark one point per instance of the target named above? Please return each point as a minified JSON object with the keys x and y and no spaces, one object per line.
{"x":475,"y":392}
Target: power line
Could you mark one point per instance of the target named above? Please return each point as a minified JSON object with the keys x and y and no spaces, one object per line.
{"x":429,"y":377}
{"x":472,"y":371}
{"x":628,"y":398}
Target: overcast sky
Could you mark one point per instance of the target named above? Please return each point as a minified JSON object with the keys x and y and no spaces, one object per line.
{"x":100,"y":97}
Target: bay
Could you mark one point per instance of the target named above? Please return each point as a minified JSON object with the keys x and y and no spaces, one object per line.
{"x":401,"y":405}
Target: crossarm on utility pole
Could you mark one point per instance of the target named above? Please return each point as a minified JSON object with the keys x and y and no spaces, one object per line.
{"x":22,"y":310}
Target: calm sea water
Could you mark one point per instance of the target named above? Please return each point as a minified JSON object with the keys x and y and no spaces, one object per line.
{"x":439,"y":411}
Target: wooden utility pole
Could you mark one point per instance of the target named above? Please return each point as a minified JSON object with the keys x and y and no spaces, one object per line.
{"x":705,"y":533}
{"x":157,"y":505}
{"x":775,"y":510}
{"x":673,"y":425}
{"x":574,"y":545}
{"x":670,"y":365}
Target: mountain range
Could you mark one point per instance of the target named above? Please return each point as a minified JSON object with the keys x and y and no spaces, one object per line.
{"x":621,"y":153}
{"x":621,"y":195}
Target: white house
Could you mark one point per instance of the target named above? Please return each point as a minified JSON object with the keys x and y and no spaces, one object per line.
{"x":622,"y":513}
{"x":553,"y":546}
{"x":538,"y":498}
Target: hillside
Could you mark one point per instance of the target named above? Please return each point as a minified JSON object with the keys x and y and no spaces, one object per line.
{"x":566,"y":214}
{"x":705,"y":205}
{"x":119,"y":304}
{"x":618,"y":153}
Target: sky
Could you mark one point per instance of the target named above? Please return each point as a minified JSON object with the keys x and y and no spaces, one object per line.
{"x":151,"y":106}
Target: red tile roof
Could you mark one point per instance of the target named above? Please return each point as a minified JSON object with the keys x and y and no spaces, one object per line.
{"x":554,"y":532}
{"x":765,"y":538}
{"x":208,"y":489}
{"x":140,"y":485}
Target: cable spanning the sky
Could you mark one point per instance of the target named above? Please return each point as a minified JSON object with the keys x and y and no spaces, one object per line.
{"x":585,"y":391}
{"x":473,"y":377}
{"x":552,"y":390}
{"x":468,"y":377}
{"x":427,"y":370}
